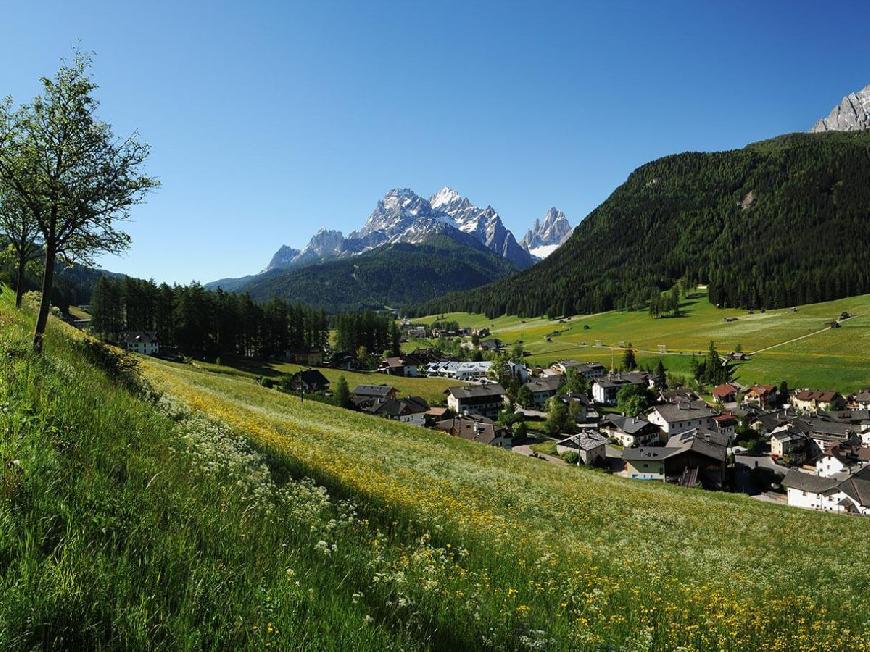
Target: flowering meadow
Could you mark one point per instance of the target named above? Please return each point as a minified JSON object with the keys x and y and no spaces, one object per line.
{"x":196,"y":510}
{"x":561,"y":558}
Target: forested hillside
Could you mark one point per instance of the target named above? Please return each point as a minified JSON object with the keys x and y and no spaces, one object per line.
{"x":395,"y":274}
{"x":778,"y":223}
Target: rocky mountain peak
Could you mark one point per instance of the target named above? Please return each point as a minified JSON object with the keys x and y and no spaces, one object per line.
{"x":852,"y":114}
{"x":546,"y":235}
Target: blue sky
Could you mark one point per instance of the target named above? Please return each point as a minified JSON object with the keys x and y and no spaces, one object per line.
{"x":270,"y":119}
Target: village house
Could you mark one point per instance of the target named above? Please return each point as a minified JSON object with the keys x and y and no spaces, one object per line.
{"x":589,"y":370}
{"x":144,"y":342}
{"x":309,"y":381}
{"x":462,"y":371}
{"x":726,"y":424}
{"x":791,"y":445}
{"x":606,"y":390}
{"x":590,"y":447}
{"x":543,"y":389}
{"x":862,"y":399}
{"x":674,"y":418}
{"x":630,"y":431}
{"x":411,"y":409}
{"x":807,"y":400}
{"x":764,"y":396}
{"x":843,"y":459}
{"x":484,"y":400}
{"x":306,"y":357}
{"x":645,"y":463}
{"x":829,"y":494}
{"x":699,"y":459}
{"x":399,"y":366}
{"x":492,"y":345}
{"x":726,"y":393}
{"x":477,"y":428}
{"x":366,"y":396}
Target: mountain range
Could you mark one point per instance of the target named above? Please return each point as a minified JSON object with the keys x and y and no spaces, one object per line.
{"x":447,"y":221}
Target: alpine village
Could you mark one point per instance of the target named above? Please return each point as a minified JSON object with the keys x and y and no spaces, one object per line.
{"x":646,"y":431}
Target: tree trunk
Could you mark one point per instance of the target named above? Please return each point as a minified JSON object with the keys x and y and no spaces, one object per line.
{"x":19,"y":285}
{"x":45,"y":303}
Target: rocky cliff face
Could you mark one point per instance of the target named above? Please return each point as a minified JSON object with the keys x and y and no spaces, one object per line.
{"x":852,"y":114}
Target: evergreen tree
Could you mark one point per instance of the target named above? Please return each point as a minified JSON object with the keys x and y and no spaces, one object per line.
{"x":342,"y":393}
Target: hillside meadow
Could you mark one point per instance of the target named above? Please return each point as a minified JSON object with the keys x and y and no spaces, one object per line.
{"x":836,"y":358}
{"x":199,"y":510}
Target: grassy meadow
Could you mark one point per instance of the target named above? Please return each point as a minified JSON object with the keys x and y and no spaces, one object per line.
{"x":432,"y":389}
{"x":837,"y":358}
{"x":202,"y":511}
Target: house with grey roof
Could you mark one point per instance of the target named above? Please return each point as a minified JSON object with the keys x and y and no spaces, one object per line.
{"x":590,"y":446}
{"x":486,"y":399}
{"x":630,"y":431}
{"x":543,"y":389}
{"x":674,"y":418}
{"x":829,"y":494}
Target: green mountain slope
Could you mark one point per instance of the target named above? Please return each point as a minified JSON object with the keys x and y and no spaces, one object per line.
{"x":393,"y":275}
{"x":778,"y":223}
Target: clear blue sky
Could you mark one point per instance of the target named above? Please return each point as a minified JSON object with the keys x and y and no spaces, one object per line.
{"x":270,"y":119}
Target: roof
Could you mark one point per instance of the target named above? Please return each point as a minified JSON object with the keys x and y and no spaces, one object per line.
{"x":857,"y":487}
{"x":398,"y":407}
{"x":476,"y":391}
{"x":379,"y":391}
{"x":649,"y":453}
{"x":863,"y":396}
{"x":762,"y":390}
{"x":587,"y":440}
{"x":629,"y":425}
{"x":548,"y":384}
{"x":809,"y":482}
{"x":473,"y":428}
{"x":703,"y":442}
{"x":724,"y":390}
{"x":676,"y":412}
{"x":311,"y":377}
{"x":818,"y":396}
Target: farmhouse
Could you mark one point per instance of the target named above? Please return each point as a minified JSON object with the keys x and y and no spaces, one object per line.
{"x":364,"y":396}
{"x":862,"y":399}
{"x":398,"y":366}
{"x":485,"y":400}
{"x":674,"y":418}
{"x":144,"y":342}
{"x":411,"y":409}
{"x":309,"y":380}
{"x":807,"y":400}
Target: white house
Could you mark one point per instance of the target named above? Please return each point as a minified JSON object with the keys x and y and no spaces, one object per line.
{"x":485,"y":400}
{"x":809,"y":491}
{"x":144,"y":342}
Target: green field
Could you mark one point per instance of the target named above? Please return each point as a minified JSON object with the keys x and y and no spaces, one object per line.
{"x":432,"y":389}
{"x":230,"y":516}
{"x":836,"y":359}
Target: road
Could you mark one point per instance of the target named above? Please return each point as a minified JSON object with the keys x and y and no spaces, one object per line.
{"x":528,"y":452}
